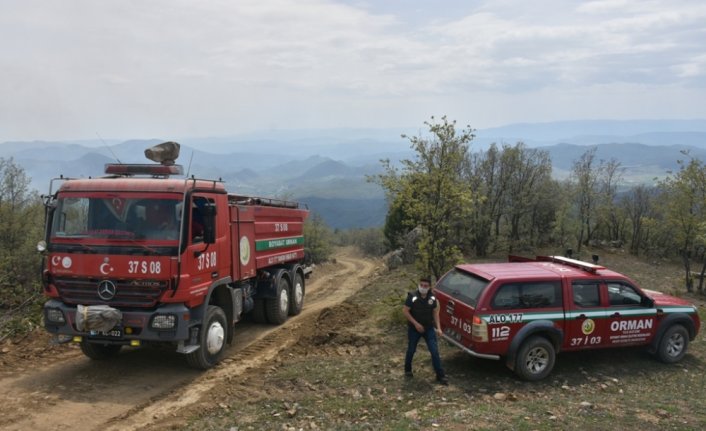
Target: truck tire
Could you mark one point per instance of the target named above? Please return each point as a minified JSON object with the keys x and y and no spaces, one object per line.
{"x":296,"y":302}
{"x":212,"y":340}
{"x":535,"y":359}
{"x":99,"y":352}
{"x":277,"y":308}
{"x":673,"y":345}
{"x":258,"y":312}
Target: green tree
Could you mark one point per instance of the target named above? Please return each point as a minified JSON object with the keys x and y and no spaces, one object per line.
{"x":395,"y":225}
{"x":528,"y":186}
{"x":639,"y":207}
{"x":21,"y":225}
{"x":565,"y":223}
{"x":684,"y":207}
{"x":611,"y":216}
{"x":432,"y":192}
{"x":513,"y":191}
{"x":318,"y":239}
{"x":585,"y":179}
{"x":489,"y":180}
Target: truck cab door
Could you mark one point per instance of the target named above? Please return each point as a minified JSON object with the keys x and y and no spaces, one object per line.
{"x":631,"y":316}
{"x":586,"y":316}
{"x":203,"y":255}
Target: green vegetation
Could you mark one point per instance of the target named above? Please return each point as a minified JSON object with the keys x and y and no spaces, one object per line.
{"x":318,"y":239}
{"x":21,"y":225}
{"x":504,"y":200}
{"x":684,"y":210}
{"x":431,"y":192}
{"x":370,"y":241}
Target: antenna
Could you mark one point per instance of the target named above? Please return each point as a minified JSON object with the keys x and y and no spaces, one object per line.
{"x":188,"y":169}
{"x":109,"y":149}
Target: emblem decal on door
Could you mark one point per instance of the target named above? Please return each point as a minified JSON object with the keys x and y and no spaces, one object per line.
{"x":244,"y":250}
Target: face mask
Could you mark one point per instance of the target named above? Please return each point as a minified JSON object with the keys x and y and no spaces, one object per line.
{"x":423,"y":290}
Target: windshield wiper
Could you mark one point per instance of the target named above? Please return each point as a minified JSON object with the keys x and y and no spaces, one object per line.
{"x":150,"y":250}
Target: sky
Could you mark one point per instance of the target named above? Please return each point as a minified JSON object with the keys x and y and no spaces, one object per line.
{"x":121,"y":69}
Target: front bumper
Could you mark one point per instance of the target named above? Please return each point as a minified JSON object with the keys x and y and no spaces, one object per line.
{"x":135,"y":325}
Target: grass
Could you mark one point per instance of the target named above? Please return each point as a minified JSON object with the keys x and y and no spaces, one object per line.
{"x":347,"y":375}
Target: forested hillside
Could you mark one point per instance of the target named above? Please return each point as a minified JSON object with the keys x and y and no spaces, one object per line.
{"x":505,"y":199}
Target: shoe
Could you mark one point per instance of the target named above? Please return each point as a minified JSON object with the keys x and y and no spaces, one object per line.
{"x":408,"y":374}
{"x":442,"y":380}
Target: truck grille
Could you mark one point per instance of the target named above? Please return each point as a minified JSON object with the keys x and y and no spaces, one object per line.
{"x":128,"y":293}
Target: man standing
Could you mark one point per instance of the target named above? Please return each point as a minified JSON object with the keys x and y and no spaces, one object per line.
{"x":422,"y":312}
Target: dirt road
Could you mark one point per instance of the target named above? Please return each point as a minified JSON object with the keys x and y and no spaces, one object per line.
{"x":66,"y":391}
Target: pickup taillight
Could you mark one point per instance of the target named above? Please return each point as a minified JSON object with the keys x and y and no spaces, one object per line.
{"x":479,"y":331}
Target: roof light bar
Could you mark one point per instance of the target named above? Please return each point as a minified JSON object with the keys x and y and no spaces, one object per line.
{"x":143,"y":169}
{"x":576,"y":263}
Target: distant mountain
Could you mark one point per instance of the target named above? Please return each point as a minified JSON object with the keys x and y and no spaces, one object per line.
{"x":567,"y":131}
{"x":328,"y":168}
{"x":348,"y":213}
{"x":663,"y":157}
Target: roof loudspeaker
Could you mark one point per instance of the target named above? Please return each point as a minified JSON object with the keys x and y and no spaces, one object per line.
{"x":165,"y":153}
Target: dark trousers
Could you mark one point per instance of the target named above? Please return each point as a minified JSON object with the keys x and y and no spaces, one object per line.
{"x":429,"y":336}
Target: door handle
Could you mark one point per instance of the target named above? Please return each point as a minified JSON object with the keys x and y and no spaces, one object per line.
{"x":616,"y":314}
{"x":581,"y":316}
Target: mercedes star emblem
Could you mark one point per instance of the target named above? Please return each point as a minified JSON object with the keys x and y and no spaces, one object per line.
{"x":106,"y":290}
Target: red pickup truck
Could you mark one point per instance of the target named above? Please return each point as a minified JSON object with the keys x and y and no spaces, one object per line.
{"x":527,"y":310}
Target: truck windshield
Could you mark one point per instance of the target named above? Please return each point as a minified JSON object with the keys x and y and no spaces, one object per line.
{"x":117,"y":218}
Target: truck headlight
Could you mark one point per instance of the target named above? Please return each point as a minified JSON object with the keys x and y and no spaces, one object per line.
{"x":55,"y":315}
{"x":164,"y":321}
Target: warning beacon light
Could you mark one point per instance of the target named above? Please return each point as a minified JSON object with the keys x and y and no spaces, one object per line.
{"x":165,"y":154}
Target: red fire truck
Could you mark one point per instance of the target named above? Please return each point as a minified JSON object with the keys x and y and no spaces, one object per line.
{"x":138,"y":257}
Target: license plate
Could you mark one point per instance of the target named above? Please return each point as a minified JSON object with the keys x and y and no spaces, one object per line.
{"x":113,"y":333}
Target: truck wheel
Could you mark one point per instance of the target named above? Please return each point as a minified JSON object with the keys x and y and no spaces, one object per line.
{"x":535,"y":359}
{"x":297,"y":301}
{"x":258,"y":312}
{"x":212,"y":340}
{"x":277,"y":308}
{"x":673,"y":345}
{"x":99,"y":352}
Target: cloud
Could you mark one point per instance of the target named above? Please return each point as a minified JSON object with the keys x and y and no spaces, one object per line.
{"x":216,"y":67}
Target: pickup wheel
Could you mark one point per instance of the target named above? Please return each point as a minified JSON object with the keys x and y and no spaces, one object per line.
{"x":535,"y":359}
{"x":673,"y":345}
{"x":99,"y":352}
{"x":277,"y":308}
{"x":297,"y":301}
{"x":212,"y":340}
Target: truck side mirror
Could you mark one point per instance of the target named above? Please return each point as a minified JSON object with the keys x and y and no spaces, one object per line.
{"x":647,"y":302}
{"x":209,"y":223}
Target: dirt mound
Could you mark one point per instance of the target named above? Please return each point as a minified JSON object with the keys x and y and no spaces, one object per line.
{"x":334,"y":327}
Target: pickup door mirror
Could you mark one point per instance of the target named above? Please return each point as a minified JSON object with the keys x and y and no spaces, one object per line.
{"x":647,"y":302}
{"x":209,"y":223}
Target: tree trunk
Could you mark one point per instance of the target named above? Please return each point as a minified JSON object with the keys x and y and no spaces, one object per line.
{"x":687,"y":269}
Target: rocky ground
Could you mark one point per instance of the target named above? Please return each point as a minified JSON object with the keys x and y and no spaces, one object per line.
{"x":346,"y":374}
{"x":339,"y":366}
